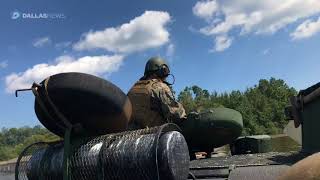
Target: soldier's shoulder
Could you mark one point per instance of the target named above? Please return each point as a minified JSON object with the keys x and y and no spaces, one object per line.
{"x":142,"y":82}
{"x":159,"y":84}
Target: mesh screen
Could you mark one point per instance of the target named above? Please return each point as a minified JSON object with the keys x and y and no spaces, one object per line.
{"x":126,"y":155}
{"x":32,"y":153}
{"x":117,"y":156}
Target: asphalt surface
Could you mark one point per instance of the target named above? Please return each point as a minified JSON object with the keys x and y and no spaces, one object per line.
{"x":6,"y":176}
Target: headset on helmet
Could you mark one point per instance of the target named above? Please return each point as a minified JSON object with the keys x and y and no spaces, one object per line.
{"x":157,"y":66}
{"x":163,"y":71}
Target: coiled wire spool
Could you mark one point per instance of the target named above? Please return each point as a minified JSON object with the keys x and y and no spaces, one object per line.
{"x":153,"y":153}
{"x":32,"y":153}
{"x":46,"y":163}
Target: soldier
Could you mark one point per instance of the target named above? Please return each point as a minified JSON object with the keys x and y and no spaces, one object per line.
{"x":152,"y":99}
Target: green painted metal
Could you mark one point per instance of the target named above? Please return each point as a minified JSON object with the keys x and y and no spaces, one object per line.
{"x":305,"y":110}
{"x":251,"y":144}
{"x":212,"y":128}
{"x":310,"y":126}
{"x":71,"y":143}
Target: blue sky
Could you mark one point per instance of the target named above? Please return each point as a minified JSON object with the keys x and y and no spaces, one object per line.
{"x":217,"y":45}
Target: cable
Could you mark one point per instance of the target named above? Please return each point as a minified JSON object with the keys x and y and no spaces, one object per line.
{"x":174,"y":80}
{"x":192,"y":176}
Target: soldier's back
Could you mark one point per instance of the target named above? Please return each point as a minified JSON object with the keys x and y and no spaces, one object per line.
{"x":145,"y":103}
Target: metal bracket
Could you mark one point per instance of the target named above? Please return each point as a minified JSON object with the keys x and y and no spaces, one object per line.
{"x":34,"y":87}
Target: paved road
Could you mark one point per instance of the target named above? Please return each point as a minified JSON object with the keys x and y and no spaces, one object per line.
{"x":6,"y":176}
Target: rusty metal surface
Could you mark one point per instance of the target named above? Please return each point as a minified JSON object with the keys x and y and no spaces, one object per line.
{"x":262,"y":166}
{"x":261,"y":159}
{"x":257,"y":172}
{"x":210,"y":173}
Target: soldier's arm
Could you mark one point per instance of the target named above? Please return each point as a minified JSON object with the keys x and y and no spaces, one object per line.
{"x":172,"y":110}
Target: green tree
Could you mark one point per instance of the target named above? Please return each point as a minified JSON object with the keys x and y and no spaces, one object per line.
{"x":196,"y":99}
{"x":262,"y":106}
{"x":14,"y":140}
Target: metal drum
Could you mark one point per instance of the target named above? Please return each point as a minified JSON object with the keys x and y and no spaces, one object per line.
{"x":93,"y":105}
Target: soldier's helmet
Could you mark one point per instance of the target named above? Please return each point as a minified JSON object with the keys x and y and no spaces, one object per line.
{"x":158,"y":66}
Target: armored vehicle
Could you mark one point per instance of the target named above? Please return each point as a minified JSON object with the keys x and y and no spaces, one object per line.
{"x":91,"y":116}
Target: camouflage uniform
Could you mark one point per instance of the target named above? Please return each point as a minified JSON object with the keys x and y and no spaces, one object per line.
{"x":153,"y":104}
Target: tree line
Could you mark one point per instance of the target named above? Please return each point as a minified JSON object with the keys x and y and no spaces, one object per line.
{"x":14,"y":140}
{"x":262,"y":107}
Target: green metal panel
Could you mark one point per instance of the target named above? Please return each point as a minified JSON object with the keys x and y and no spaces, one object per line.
{"x":212,"y":128}
{"x":310,"y":127}
{"x":251,"y":144}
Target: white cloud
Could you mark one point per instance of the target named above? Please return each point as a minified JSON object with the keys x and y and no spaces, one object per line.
{"x":96,"y":65}
{"x":3,"y":64}
{"x":143,"y":32}
{"x":170,"y":50}
{"x":40,"y":42}
{"x":266,"y":51}
{"x":307,"y":29}
{"x":253,"y":16}
{"x":205,"y":9}
{"x":222,"y":43}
